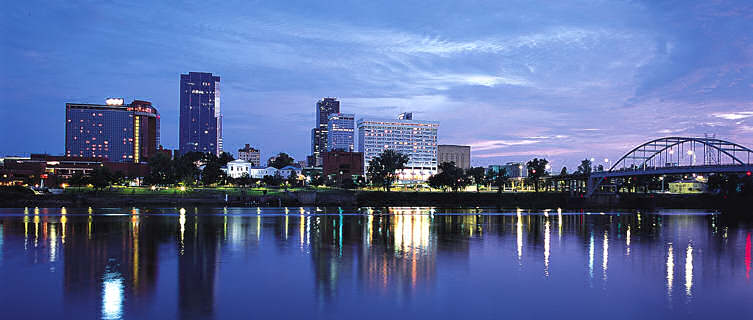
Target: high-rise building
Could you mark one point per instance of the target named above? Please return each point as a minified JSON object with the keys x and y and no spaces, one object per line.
{"x":340,"y":132}
{"x":324,"y":108}
{"x":250,"y":154}
{"x":461,"y":155}
{"x":415,"y":138}
{"x":200,"y":116}
{"x":113,"y":131}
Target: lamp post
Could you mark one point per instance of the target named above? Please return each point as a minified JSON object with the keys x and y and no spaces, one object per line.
{"x":662,"y":183}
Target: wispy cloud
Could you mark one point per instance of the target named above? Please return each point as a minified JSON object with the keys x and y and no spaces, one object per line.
{"x":734,"y":115}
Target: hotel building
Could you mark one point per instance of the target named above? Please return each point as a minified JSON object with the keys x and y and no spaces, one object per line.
{"x":113,"y":131}
{"x":415,"y":138}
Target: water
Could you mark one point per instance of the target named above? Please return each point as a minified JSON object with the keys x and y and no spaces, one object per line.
{"x":300,"y":263}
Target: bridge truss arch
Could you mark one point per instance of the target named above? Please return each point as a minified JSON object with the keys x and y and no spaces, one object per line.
{"x":683,"y":151}
{"x":677,"y":155}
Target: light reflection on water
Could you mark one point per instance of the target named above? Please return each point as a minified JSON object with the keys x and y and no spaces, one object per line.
{"x":333,"y":262}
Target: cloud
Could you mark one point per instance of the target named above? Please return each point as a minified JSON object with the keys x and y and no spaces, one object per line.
{"x":734,"y":115}
{"x":497,"y":144}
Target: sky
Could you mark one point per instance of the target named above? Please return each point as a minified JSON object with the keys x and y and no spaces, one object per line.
{"x":563,"y":80}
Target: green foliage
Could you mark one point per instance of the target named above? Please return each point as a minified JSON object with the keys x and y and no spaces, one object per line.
{"x":225,"y":158}
{"x":212,"y":172}
{"x":274,"y":180}
{"x":449,"y":177}
{"x":564,"y":171}
{"x":100,"y":177}
{"x":536,"y":170}
{"x":77,"y":179}
{"x":186,"y":168}
{"x":497,"y":179}
{"x":161,"y":170}
{"x":281,"y":160}
{"x":479,"y":175}
{"x":382,"y":168}
{"x":585,"y":167}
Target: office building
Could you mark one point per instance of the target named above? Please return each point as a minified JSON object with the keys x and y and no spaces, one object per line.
{"x":340,"y":132}
{"x":415,"y":138}
{"x":250,"y":154}
{"x":113,"y":131}
{"x":324,"y":108}
{"x":514,"y":170}
{"x":461,"y":155}
{"x":200,"y":116}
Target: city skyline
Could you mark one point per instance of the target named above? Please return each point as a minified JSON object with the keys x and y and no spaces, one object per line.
{"x":565,"y":83}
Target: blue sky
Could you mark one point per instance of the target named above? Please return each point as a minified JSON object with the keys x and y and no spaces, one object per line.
{"x":563,"y":80}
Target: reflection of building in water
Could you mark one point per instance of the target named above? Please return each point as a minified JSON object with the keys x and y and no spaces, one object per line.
{"x":197,"y":267}
{"x":108,"y":262}
{"x":334,"y":242}
{"x":401,"y":252}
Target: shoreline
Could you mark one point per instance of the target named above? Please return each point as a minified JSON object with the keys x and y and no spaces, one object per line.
{"x":346,"y":198}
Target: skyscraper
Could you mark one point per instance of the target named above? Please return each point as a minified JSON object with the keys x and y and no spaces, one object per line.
{"x":415,"y":138}
{"x":200,"y":116}
{"x":340,"y":132}
{"x":113,"y":131}
{"x":324,"y":108}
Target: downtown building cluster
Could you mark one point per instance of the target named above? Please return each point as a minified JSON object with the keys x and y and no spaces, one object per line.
{"x":126,"y":135}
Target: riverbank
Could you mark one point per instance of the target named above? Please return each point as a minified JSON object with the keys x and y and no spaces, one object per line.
{"x":348,"y":198}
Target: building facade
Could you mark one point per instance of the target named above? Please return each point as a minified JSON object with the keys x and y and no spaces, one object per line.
{"x":461,"y":155}
{"x":52,"y":171}
{"x":343,"y":165}
{"x":415,"y":138}
{"x":238,"y":168}
{"x":340,"y":130}
{"x":113,"y":131}
{"x":324,"y":108}
{"x":200,"y":114}
{"x":250,"y":154}
{"x":514,"y":170}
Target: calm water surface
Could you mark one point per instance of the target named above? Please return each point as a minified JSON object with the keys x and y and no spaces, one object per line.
{"x":300,"y":263}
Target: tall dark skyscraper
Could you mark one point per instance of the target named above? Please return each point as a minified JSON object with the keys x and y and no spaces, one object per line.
{"x":324,"y":108}
{"x":200,"y":116}
{"x":113,"y":132}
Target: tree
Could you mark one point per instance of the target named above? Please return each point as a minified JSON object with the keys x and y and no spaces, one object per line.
{"x":585,"y":167}
{"x":537,"y":170}
{"x":244,"y":180}
{"x":100,"y":177}
{"x":274,"y":180}
{"x":564,"y":171}
{"x":280,"y":161}
{"x":450,"y":177}
{"x":119,"y":178}
{"x":224,"y":158}
{"x":382,"y":168}
{"x":161,"y":170}
{"x":186,"y":167}
{"x":497,"y":178}
{"x":77,"y":179}
{"x":212,"y":172}
{"x":478,"y":174}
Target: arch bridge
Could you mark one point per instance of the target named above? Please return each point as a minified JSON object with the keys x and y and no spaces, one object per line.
{"x":677,"y":155}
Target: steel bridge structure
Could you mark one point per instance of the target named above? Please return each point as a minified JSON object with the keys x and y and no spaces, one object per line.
{"x":677,"y":156}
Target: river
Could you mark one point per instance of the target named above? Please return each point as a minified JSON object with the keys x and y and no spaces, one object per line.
{"x":372,"y":263}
